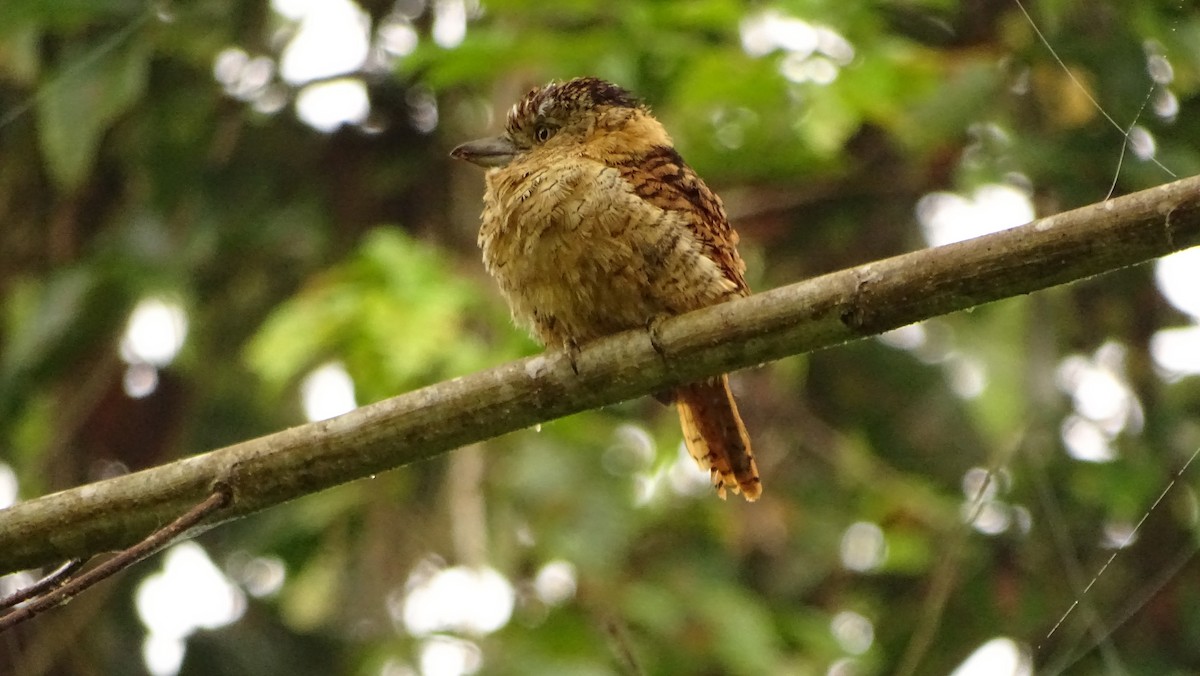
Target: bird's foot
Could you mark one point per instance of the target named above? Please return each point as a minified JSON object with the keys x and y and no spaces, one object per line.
{"x":653,"y":330}
{"x":571,"y":350}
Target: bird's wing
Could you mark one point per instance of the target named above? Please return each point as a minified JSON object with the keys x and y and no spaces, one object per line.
{"x":663,"y":179}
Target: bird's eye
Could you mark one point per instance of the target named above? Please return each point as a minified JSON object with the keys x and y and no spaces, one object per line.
{"x":544,"y":132}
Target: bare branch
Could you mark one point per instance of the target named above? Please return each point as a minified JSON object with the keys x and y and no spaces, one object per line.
{"x":803,"y":317}
{"x":54,"y":580}
{"x":151,"y":544}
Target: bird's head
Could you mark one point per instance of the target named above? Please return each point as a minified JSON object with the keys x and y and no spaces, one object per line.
{"x":582,"y":113}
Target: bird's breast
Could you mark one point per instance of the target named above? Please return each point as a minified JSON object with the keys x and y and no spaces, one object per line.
{"x":578,"y":254}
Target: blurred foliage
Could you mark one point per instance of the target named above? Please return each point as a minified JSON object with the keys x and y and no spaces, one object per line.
{"x":354,"y":310}
{"x":130,"y":170}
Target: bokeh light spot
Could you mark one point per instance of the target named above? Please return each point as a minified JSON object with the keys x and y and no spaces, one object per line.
{"x":8,"y":485}
{"x":327,"y":392}
{"x":189,"y":593}
{"x":555,"y":582}
{"x":1086,"y":441}
{"x":1176,"y":352}
{"x":463,"y":599}
{"x":946,"y":217}
{"x":812,"y":53}
{"x":863,"y":547}
{"x":853,"y":632}
{"x":333,"y":39}
{"x":998,"y":657}
{"x":449,"y":23}
{"x":140,"y":380}
{"x":449,"y":656}
{"x":325,"y":106}
{"x":155,"y":332}
{"x":1178,"y":277}
{"x":686,"y":477}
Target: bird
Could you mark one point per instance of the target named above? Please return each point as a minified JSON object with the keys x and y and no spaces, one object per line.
{"x":593,"y":224}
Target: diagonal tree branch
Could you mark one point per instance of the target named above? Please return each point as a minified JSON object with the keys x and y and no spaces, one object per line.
{"x":803,"y":317}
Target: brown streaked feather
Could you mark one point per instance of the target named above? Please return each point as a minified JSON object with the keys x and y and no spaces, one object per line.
{"x":716,"y":437}
{"x":563,"y":99}
{"x":663,"y":179}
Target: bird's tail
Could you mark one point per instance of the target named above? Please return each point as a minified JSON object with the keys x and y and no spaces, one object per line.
{"x":716,"y":437}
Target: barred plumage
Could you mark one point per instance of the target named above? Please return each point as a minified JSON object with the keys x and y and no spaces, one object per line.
{"x":594,"y":224}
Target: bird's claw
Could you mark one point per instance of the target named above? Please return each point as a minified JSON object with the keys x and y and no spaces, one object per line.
{"x":572,"y":351}
{"x":653,"y":330}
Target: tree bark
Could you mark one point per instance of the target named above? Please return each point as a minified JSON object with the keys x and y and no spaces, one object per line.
{"x":802,"y":317}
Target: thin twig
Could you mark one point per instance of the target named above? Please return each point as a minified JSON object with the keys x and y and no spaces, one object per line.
{"x":945,"y":574}
{"x":43,"y":585}
{"x":1146,"y":594}
{"x":220,"y":497}
{"x":622,"y":649}
{"x":1075,"y":580}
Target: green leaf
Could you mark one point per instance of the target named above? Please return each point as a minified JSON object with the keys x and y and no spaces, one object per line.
{"x":88,"y":91}
{"x":19,"y":59}
{"x":392,"y":312}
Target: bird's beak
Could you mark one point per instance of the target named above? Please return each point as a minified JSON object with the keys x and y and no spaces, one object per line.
{"x":486,"y":152}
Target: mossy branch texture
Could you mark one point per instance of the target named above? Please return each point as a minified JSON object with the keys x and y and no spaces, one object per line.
{"x":810,"y":315}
